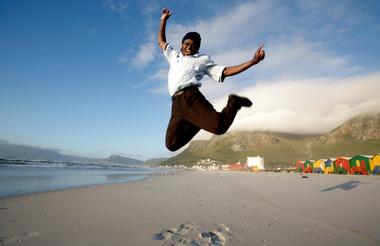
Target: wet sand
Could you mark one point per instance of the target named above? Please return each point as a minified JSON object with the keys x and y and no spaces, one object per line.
{"x":201,"y":208}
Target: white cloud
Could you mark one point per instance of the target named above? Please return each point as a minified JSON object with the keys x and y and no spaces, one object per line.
{"x":118,"y":6}
{"x":159,"y":78}
{"x":159,"y":75}
{"x":342,"y":12}
{"x":161,"y":89}
{"x":123,"y":59}
{"x":291,"y":58}
{"x":308,"y":105}
{"x":150,"y":7}
{"x":145,"y":55}
{"x":231,"y":28}
{"x":296,"y":57}
{"x":304,"y":106}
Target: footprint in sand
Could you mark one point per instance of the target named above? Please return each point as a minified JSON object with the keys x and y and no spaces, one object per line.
{"x":189,"y":234}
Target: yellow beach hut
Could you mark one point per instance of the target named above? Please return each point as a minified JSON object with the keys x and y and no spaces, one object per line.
{"x":329,"y":165}
{"x":374,"y":161}
{"x":319,"y":166}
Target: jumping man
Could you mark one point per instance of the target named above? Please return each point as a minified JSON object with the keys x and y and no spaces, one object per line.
{"x":190,"y":109}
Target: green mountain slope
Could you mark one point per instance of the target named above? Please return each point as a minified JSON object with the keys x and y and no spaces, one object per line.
{"x":360,"y":135}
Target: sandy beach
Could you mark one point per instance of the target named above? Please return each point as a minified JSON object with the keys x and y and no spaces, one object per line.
{"x":201,"y":208}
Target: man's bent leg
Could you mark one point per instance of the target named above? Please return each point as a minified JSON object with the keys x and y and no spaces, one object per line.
{"x":179,"y":133}
{"x":201,"y":113}
{"x":192,"y":112}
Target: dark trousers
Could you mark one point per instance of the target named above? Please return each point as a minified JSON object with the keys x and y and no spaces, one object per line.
{"x":191,"y":112}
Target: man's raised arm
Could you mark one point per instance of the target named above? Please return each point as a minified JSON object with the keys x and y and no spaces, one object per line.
{"x":258,"y":57}
{"x":165,"y":14}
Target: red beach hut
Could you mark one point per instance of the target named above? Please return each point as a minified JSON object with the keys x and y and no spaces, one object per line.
{"x":342,"y":165}
{"x":300,"y":166}
{"x":237,"y":167}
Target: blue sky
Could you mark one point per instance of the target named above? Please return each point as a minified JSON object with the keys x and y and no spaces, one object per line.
{"x":87,"y":77}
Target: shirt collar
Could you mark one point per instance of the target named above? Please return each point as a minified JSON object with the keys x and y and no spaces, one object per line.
{"x":196,"y":55}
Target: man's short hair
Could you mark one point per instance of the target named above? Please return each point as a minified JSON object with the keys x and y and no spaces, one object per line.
{"x":193,"y":36}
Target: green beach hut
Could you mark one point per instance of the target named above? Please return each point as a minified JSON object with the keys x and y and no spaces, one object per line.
{"x":308,"y":166}
{"x":360,"y":164}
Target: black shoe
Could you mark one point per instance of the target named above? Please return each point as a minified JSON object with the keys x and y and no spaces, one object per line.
{"x":241,"y":101}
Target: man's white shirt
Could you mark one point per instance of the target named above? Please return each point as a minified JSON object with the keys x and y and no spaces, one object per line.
{"x":189,"y":70}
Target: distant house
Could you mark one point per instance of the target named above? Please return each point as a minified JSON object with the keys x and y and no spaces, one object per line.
{"x":308,"y":166}
{"x":319,"y":166}
{"x":236,"y":167}
{"x":375,"y":161}
{"x":360,"y":164}
{"x":342,"y":165}
{"x":329,"y":165}
{"x":300,"y":166}
{"x":256,"y":163}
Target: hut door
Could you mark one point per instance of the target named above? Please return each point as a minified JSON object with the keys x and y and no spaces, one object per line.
{"x":363,"y":167}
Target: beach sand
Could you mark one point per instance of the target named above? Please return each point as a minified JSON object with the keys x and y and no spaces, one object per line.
{"x":201,"y":208}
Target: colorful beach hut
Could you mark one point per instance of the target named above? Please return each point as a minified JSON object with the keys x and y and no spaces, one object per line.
{"x":342,"y":165}
{"x":375,"y":162}
{"x":300,"y":166}
{"x":360,"y":164}
{"x":236,"y":167}
{"x":319,"y":166}
{"x":329,"y":165}
{"x":308,"y":166}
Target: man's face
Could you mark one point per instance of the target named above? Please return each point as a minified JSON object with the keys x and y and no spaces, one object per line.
{"x":189,"y":47}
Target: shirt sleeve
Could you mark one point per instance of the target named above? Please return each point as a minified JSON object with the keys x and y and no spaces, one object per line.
{"x":215,"y":71}
{"x":169,"y":52}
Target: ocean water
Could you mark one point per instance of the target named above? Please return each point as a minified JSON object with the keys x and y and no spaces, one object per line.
{"x":30,"y":178}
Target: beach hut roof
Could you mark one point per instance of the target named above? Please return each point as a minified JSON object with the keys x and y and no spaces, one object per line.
{"x":344,"y":157}
{"x":378,"y":154}
{"x":366,"y":156}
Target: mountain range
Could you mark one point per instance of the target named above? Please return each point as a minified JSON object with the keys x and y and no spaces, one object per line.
{"x":359,"y":135}
{"x":11,"y":151}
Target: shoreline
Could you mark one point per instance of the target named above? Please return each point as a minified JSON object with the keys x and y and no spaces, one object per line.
{"x":15,"y":181}
{"x":146,"y":177}
{"x":36,"y":193}
{"x":175,"y":172}
{"x":235,"y":208}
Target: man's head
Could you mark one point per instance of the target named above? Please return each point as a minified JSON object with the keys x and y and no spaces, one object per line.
{"x":190,"y":43}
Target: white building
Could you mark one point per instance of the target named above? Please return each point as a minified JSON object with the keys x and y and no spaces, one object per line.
{"x":256,"y":163}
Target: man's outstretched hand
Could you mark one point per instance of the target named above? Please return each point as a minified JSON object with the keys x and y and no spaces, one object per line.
{"x":259,"y":54}
{"x":165,"y":14}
